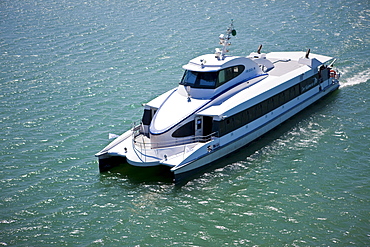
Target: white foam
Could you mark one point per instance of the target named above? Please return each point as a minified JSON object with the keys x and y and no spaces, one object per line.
{"x":356,"y":79}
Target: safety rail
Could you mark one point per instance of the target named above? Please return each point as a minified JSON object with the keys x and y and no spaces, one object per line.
{"x":142,"y":141}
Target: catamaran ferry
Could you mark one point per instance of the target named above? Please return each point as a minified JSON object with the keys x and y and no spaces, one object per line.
{"x":221,"y":104}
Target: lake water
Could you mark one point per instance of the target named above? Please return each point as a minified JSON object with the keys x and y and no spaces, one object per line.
{"x":74,"y":71}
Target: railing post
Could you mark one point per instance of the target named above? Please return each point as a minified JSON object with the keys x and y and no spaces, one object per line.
{"x":144,"y":147}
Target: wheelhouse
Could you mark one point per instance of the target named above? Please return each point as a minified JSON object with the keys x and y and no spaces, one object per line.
{"x":210,"y":80}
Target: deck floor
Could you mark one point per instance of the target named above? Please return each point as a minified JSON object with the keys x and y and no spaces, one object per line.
{"x":283,"y":66}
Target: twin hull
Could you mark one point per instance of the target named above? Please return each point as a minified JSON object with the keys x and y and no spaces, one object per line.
{"x":187,"y":158}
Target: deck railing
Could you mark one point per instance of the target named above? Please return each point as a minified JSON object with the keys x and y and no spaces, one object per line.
{"x":142,"y":141}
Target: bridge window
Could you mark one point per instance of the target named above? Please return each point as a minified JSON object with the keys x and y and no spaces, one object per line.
{"x":199,"y":79}
{"x":210,"y":79}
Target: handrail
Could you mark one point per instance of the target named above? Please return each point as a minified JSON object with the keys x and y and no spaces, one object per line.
{"x":175,"y":142}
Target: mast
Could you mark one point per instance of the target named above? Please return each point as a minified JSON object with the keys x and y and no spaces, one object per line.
{"x":225,"y":41}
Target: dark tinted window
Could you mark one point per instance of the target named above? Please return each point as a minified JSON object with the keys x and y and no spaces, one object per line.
{"x":187,"y":129}
{"x":210,"y":79}
{"x":252,"y":113}
{"x":199,"y":79}
{"x":147,"y":117}
{"x":227,"y":74}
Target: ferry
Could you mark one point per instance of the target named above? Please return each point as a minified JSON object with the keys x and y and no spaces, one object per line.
{"x":221,"y":104}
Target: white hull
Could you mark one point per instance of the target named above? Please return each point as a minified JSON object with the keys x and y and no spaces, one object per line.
{"x":225,"y":145}
{"x":243,"y":139}
{"x":221,"y":104}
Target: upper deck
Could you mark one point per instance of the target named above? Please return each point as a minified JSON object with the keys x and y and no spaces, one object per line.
{"x":288,"y":69}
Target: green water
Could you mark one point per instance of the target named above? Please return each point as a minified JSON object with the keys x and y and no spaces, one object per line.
{"x":74,"y":71}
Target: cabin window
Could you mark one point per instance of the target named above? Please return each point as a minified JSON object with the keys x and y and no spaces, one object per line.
{"x":207,"y":79}
{"x":250,"y":114}
{"x":210,"y":79}
{"x":309,"y":83}
{"x":238,"y":120}
{"x":199,"y":79}
{"x":147,"y":117}
{"x":227,"y":74}
{"x":189,"y":78}
{"x":187,"y":129}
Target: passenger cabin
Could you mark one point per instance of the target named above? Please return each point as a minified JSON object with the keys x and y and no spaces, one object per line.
{"x":207,"y":80}
{"x":179,"y":116}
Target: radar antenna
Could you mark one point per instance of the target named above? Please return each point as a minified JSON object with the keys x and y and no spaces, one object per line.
{"x":225,"y":41}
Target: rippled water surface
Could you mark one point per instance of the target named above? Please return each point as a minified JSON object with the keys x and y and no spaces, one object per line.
{"x":74,"y":71}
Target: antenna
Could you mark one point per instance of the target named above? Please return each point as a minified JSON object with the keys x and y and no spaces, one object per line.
{"x":225,"y":41}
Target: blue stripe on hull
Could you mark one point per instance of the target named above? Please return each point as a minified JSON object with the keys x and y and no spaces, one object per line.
{"x":243,"y":140}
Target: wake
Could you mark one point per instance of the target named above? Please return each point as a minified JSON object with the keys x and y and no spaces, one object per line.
{"x":356,"y":79}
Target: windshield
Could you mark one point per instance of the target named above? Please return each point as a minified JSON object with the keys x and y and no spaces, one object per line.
{"x":210,"y":79}
{"x":199,"y":79}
